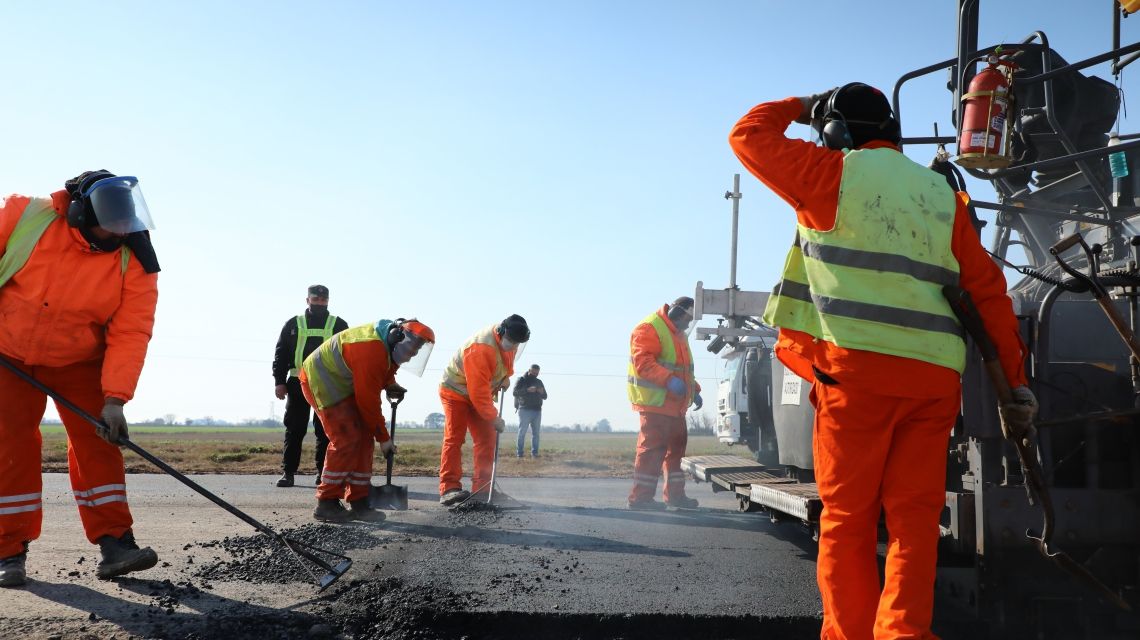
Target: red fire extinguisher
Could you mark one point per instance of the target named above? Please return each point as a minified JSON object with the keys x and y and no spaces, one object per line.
{"x":983,"y":138}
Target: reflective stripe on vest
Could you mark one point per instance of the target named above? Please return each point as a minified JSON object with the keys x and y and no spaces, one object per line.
{"x":874,"y":282}
{"x":646,"y":393}
{"x":328,"y":375}
{"x":453,"y":376}
{"x":303,"y":335}
{"x":33,"y":222}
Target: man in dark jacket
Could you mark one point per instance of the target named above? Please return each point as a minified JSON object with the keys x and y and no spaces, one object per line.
{"x":299,"y":337}
{"x":529,"y":394}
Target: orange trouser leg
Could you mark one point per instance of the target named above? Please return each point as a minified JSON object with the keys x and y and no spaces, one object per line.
{"x":676,"y":440}
{"x":652,"y":445}
{"x":484,"y":439}
{"x":21,"y":511}
{"x":914,"y":494}
{"x":866,"y":456}
{"x":457,"y":414}
{"x":98,"y":480}
{"x":348,"y":459}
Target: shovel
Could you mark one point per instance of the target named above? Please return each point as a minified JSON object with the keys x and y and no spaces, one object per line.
{"x":300,"y":550}
{"x":390,"y":496}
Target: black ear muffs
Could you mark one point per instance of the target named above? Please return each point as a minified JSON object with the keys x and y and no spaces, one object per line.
{"x":836,"y":134}
{"x":396,"y":333}
{"x":80,"y":207}
{"x":76,"y":213}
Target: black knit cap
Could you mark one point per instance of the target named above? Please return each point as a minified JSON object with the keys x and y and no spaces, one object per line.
{"x":319,"y":290}
{"x":514,"y":327}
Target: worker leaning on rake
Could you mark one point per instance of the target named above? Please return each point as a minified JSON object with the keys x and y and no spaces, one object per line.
{"x":78,"y":288}
{"x":342,"y":380}
{"x":477,"y":372}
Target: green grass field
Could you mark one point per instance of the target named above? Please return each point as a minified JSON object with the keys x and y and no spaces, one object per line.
{"x":258,"y":450}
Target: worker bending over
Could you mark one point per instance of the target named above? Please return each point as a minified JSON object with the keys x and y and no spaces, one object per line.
{"x":342,"y":381}
{"x":862,"y":316}
{"x":78,"y":288}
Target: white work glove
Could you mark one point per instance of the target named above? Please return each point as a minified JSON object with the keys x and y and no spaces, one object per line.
{"x":115,"y":420}
{"x":388,"y":448}
{"x":1017,"y":416}
{"x":280,"y":391}
{"x":499,"y":425}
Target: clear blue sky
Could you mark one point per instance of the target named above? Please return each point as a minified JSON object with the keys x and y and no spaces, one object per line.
{"x":456,"y":161}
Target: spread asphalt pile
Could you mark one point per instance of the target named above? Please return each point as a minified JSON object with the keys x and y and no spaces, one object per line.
{"x":261,"y":559}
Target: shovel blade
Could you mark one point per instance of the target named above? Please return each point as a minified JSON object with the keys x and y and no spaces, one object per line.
{"x":389,"y":496}
{"x":339,"y":570}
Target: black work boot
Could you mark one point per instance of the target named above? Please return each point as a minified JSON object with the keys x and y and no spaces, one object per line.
{"x":12,"y":571}
{"x":331,"y":511}
{"x":648,"y":504}
{"x":684,"y":502}
{"x":362,"y":511}
{"x":122,"y":556}
{"x":286,"y":480}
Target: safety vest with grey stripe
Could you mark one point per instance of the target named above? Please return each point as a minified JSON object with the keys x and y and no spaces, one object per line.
{"x":874,"y":281}
{"x":304,"y":332}
{"x":646,"y":393}
{"x":455,"y":378}
{"x":36,"y":217}
{"x":328,"y":375}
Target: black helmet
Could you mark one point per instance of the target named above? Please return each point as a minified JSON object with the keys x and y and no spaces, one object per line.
{"x":514,"y":328}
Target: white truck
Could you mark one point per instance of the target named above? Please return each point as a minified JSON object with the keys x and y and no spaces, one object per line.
{"x":760,"y":404}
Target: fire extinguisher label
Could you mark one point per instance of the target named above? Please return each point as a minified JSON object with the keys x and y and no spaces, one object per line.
{"x":978,"y":139}
{"x":997,"y":123}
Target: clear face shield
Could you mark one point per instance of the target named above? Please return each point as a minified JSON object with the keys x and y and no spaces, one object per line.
{"x":412,"y":354}
{"x":682,"y":319}
{"x":119,"y":205}
{"x":516,"y":348}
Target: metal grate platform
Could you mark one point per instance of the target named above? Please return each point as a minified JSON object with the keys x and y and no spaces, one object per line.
{"x":795,"y":499}
{"x":703,"y":468}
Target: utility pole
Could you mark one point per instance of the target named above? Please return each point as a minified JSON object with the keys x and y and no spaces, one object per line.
{"x":733,"y":195}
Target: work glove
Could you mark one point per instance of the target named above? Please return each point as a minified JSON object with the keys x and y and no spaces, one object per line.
{"x":698,"y":402}
{"x":811,"y":107}
{"x":280,"y":391}
{"x":388,"y":448}
{"x":499,"y":425}
{"x":395,"y":392}
{"x":505,"y":385}
{"x":1017,"y":416}
{"x":115,"y":420}
{"x":676,"y":386}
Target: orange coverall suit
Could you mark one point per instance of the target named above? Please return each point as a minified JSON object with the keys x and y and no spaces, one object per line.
{"x":74,"y":321}
{"x":881,"y":432}
{"x":474,"y":412}
{"x":663,"y":438}
{"x":354,"y":425}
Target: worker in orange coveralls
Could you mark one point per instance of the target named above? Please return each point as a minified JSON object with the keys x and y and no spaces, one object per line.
{"x":479,"y":370}
{"x":862,"y":317}
{"x":78,"y":289}
{"x":342,"y":381}
{"x":661,"y":388}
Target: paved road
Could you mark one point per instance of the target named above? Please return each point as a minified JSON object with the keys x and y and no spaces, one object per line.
{"x":574,"y":555}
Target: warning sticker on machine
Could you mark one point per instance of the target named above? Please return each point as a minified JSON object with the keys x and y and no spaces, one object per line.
{"x":978,"y":139}
{"x":790,"y":393}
